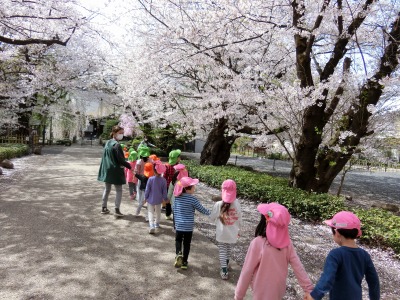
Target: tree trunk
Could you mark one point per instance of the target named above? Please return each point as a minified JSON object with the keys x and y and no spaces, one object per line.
{"x":316,"y":173}
{"x":217,"y":148}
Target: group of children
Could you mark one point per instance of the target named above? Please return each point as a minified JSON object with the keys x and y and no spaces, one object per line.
{"x":271,"y":251}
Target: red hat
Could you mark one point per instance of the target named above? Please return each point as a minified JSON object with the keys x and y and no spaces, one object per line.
{"x":228,"y":191}
{"x":278,"y":218}
{"x":345,"y":220}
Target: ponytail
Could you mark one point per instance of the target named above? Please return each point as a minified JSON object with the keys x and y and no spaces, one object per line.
{"x":223,"y":214}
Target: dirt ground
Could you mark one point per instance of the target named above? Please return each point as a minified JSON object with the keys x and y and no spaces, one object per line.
{"x":56,"y":245}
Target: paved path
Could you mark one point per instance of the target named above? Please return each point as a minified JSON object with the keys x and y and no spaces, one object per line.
{"x":54,"y":243}
{"x":375,"y":186}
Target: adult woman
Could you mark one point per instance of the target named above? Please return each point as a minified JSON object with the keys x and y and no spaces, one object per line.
{"x":112,"y":169}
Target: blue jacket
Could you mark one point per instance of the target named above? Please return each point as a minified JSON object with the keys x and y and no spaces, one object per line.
{"x":344,"y":270}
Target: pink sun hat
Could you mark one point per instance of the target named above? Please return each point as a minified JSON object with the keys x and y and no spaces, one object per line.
{"x":228,"y":191}
{"x":182,"y":183}
{"x":278,"y":218}
{"x":182,"y":171}
{"x":345,"y":220}
{"x":160,"y":168}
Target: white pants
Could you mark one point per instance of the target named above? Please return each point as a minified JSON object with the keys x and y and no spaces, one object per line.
{"x":154,"y":210}
{"x":140,"y":198}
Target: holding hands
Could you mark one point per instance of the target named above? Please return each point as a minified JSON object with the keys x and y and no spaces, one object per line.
{"x":307,"y":296}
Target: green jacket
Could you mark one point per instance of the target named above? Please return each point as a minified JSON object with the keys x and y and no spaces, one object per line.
{"x":112,"y":164}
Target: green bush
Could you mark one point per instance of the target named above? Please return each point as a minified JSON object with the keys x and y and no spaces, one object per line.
{"x":380,"y":228}
{"x":8,"y":151}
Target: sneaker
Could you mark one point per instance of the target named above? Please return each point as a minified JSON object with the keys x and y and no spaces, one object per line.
{"x":224,"y":273}
{"x":152,"y":230}
{"x":184,"y":265}
{"x":118,"y":213}
{"x":168,"y":218}
{"x":105,"y":210}
{"x":178,"y":261}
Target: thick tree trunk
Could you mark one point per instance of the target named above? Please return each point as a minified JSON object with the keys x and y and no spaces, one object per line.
{"x":314,"y":169}
{"x":217,"y":149}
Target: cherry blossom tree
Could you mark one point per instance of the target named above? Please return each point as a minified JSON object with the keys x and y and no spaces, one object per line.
{"x":310,"y":72}
{"x":49,"y":49}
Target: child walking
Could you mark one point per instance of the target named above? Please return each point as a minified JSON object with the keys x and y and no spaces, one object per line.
{"x":267,"y":260}
{"x":148,"y":171}
{"x":227,"y":215}
{"x":346,"y":266}
{"x":130,"y":177}
{"x":174,"y":157}
{"x":184,"y":208}
{"x":180,"y":171}
{"x":155,"y":194}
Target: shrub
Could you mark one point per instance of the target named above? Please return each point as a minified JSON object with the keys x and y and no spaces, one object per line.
{"x":8,"y":151}
{"x":380,"y":227}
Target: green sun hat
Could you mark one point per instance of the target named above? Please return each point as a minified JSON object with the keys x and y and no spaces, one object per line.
{"x":144,"y":151}
{"x":132,"y":155}
{"x":173,"y":156}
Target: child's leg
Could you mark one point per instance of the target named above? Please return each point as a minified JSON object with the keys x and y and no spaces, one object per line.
{"x":132,"y":188}
{"x":168,"y":209}
{"x":138,"y":190}
{"x":158,"y":214}
{"x":178,"y":241}
{"x":150,"y":210}
{"x":187,"y":239}
{"x":106,"y":193}
{"x":229,"y":251}
{"x":223,"y":254}
{"x":140,"y":202}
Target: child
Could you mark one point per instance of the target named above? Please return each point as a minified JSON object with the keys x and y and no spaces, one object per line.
{"x":346,"y":266}
{"x":174,"y":157}
{"x":143,"y":153}
{"x":184,"y":207}
{"x":130,"y":177}
{"x":156,"y":192}
{"x":268,"y":257}
{"x":228,"y":217}
{"x":180,"y":171}
{"x":147,"y":173}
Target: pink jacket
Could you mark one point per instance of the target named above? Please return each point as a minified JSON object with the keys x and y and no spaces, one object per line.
{"x":129,"y":173}
{"x":266,"y":269}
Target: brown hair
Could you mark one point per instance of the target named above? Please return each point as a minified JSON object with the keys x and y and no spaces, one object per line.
{"x":223,"y":214}
{"x":114,"y":130}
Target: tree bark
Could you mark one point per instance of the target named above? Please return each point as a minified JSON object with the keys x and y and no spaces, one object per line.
{"x":314,"y":169}
{"x":217,"y":148}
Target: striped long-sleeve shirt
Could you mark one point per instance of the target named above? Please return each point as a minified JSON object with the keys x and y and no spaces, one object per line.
{"x":184,"y":208}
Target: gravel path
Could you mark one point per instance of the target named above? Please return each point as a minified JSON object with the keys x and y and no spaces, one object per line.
{"x":70,"y":260}
{"x":312,"y":243}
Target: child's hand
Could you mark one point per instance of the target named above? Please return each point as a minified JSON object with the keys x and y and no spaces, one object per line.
{"x":307,"y":296}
